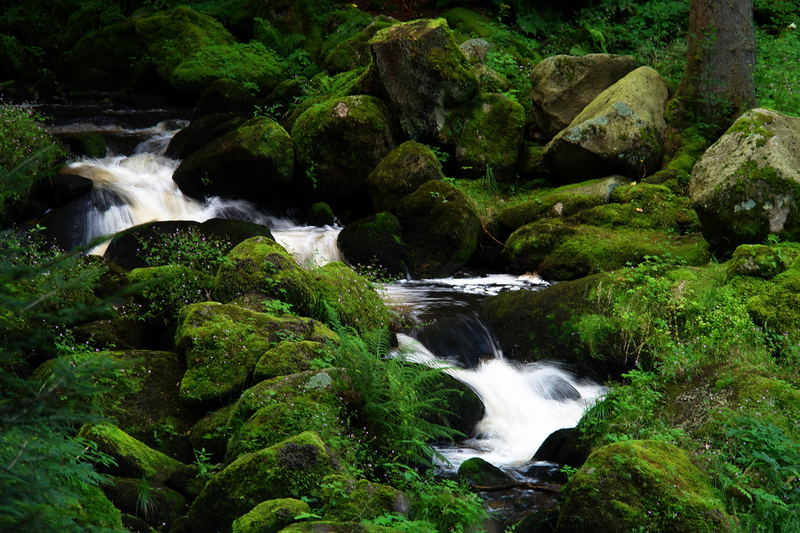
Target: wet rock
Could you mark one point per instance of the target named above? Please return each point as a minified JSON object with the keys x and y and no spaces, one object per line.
{"x":200,"y":132}
{"x":563,"y":447}
{"x":270,"y":516}
{"x":225,"y":96}
{"x":354,"y":51}
{"x":59,"y":189}
{"x":375,"y":244}
{"x":402,"y":172}
{"x":360,"y":499}
{"x":477,"y":471}
{"x":746,"y":185}
{"x":563,"y":85}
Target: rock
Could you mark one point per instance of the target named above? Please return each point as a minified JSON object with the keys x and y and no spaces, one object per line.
{"x":350,"y":499}
{"x":132,"y":457}
{"x":262,"y":267}
{"x":747,"y":184}
{"x":222,"y":344}
{"x":402,"y":172}
{"x":121,"y":333}
{"x":210,"y":434}
{"x":143,"y":399}
{"x":563,"y":85}
{"x":375,"y":244}
{"x":94,"y":510}
{"x":561,"y":251}
{"x":475,"y":50}
{"x":563,"y":201}
{"x":563,"y":446}
{"x":756,"y":260}
{"x":134,"y":248}
{"x":354,"y":51}
{"x":464,"y":408}
{"x":289,"y":357}
{"x":255,"y":161}
{"x":225,"y":96}
{"x":620,"y":131}
{"x":485,"y":133}
{"x":350,"y":298}
{"x":114,"y":50}
{"x":641,"y":484}
{"x":320,"y":214}
{"x":156,"y":505}
{"x":776,"y":305}
{"x":200,"y":132}
{"x":158,"y":293}
{"x":477,"y":471}
{"x":59,"y":189}
{"x":338,"y":143}
{"x":270,"y":516}
{"x":423,"y":73}
{"x":89,"y":144}
{"x":440,"y":227}
{"x":292,"y":468}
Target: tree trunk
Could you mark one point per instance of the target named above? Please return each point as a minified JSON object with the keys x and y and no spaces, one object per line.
{"x":718,"y":84}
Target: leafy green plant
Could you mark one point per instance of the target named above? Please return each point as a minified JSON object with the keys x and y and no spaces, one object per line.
{"x":205,"y":467}
{"x":186,"y":247}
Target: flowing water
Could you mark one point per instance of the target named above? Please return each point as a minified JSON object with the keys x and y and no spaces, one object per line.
{"x":523,"y":403}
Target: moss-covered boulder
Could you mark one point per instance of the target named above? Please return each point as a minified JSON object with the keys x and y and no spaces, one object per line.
{"x":561,"y":251}
{"x":143,"y":399}
{"x":121,"y":333}
{"x":158,"y":293}
{"x":747,"y":184}
{"x":132,"y":457}
{"x":440,"y":227}
{"x":254,"y":161}
{"x":292,"y":468}
{"x":157,"y":505}
{"x":339,"y":142}
{"x":562,"y":201}
{"x":222,"y":344}
{"x":260,"y":266}
{"x":375,"y":244}
{"x":776,"y":305}
{"x":225,"y":96}
{"x":477,"y":471}
{"x":401,"y":172}
{"x":270,"y":516}
{"x":289,"y":357}
{"x":325,"y":526}
{"x":641,"y":484}
{"x":351,"y":499}
{"x":563,"y":85}
{"x":423,"y":73}
{"x":354,"y":51}
{"x":349,"y":299}
{"x":620,"y":131}
{"x":485,"y":133}
{"x":202,"y":131}
{"x":756,"y":260}
{"x":95,"y":510}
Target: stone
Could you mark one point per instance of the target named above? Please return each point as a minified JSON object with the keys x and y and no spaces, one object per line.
{"x":375,"y":244}
{"x":402,"y":172}
{"x":621,"y":131}
{"x":562,"y":85}
{"x":200,"y":132}
{"x":747,"y":184}
{"x":423,"y":73}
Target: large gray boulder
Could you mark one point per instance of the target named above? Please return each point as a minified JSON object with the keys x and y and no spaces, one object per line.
{"x":747,"y":184}
{"x":563,"y":85}
{"x":620,"y":132}
{"x":423,"y":73}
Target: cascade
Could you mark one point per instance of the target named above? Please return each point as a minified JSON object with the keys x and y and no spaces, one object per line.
{"x":523,"y":403}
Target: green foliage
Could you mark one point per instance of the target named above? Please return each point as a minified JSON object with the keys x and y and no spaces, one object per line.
{"x":26,"y":151}
{"x":777,"y":75}
{"x":186,"y":247}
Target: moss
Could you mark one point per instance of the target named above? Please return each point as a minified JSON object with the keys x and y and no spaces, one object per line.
{"x":336,"y":527}
{"x":350,"y":499}
{"x":211,"y":432}
{"x":756,"y":260}
{"x":440,"y":227}
{"x":349,"y":299}
{"x":354,"y":51}
{"x":321,"y":214}
{"x":252,"y":64}
{"x":270,"y":516}
{"x":253,"y":161}
{"x":222,"y":344}
{"x":559,"y":251}
{"x":95,"y":510}
{"x":261,"y":266}
{"x":477,"y":471}
{"x":174,"y":36}
{"x":292,"y":468}
{"x":401,"y":172}
{"x":289,"y":357}
{"x":753,"y":123}
{"x":133,"y":457}
{"x":155,"y":504}
{"x":374,"y":245}
{"x":486,"y":133}
{"x":468,"y":23}
{"x":641,"y":484}
{"x":143,"y":399}
{"x":158,"y":293}
{"x":338,"y":142}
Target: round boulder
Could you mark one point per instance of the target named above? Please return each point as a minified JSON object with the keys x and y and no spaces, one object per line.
{"x":375,"y":243}
{"x":255,"y":161}
{"x":401,"y":172}
{"x":339,"y":142}
{"x":620,"y":131}
{"x":747,"y":184}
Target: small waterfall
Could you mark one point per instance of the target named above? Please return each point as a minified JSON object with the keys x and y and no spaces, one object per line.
{"x":311,"y":246}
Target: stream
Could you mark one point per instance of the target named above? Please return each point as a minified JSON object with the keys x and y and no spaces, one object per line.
{"x":523,"y":403}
